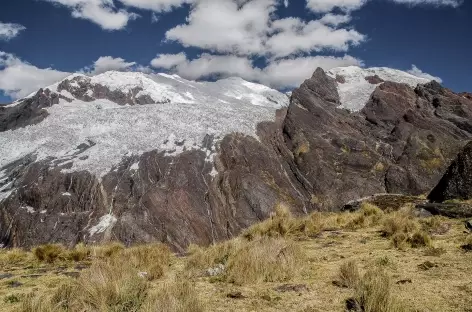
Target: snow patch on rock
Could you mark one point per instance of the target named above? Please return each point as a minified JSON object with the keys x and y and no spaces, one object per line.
{"x":105,"y":222}
{"x":356,"y":90}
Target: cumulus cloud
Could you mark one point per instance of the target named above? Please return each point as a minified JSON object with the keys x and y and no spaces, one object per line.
{"x":156,"y":5}
{"x":283,"y":73}
{"x":225,"y":26}
{"x":452,"y":3}
{"x":100,"y":12}
{"x":293,"y":36}
{"x":169,"y":61}
{"x":106,"y":63}
{"x":251,"y":28}
{"x":9,"y":30}
{"x":19,"y":79}
{"x":419,"y":73}
{"x":335,"y":19}
{"x":322,"y":6}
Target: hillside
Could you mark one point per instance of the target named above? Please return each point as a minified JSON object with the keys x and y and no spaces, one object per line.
{"x":325,"y":262}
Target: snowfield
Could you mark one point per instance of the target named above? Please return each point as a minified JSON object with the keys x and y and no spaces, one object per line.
{"x":356,"y":91}
{"x":110,"y":131}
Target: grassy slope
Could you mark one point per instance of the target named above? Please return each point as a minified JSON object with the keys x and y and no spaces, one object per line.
{"x":447,"y":286}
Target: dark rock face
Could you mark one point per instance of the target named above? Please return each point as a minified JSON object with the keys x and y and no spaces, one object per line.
{"x":399,"y":143}
{"x":386,"y":202}
{"x":315,"y":156}
{"x":457,"y":182}
{"x":29,"y":112}
{"x":374,"y":79}
{"x":82,"y":89}
{"x":340,"y":79}
{"x":450,"y":210}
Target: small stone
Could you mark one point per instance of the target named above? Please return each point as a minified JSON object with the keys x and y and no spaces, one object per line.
{"x":404,"y":281}
{"x":81,"y":267}
{"x":235,"y":295}
{"x":31,"y":276}
{"x":427,"y":265}
{"x":351,"y":305}
{"x":143,"y":274}
{"x":72,"y":274}
{"x":291,"y":287}
{"x":338,"y":284}
{"x":219,"y":269}
{"x":467,"y":247}
{"x":5,"y":276}
{"x":14,"y":284}
{"x":468,"y":225}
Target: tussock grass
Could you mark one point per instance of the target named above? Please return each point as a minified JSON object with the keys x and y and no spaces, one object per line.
{"x":117,"y":283}
{"x":49,"y":252}
{"x":435,"y":225}
{"x":201,"y":258}
{"x":174,"y":296}
{"x":406,"y":231}
{"x":79,"y":253}
{"x":283,"y":224}
{"x":368,"y":215}
{"x":399,"y":222}
{"x":420,"y":239}
{"x":110,"y":286}
{"x":349,"y":275}
{"x":152,"y":259}
{"x":280,"y":224}
{"x":14,"y":256}
{"x":107,"y":250}
{"x":264,"y":259}
{"x":373,"y":293}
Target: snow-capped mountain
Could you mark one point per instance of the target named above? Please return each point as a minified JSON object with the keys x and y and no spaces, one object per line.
{"x":138,"y":157}
{"x":102,"y":110}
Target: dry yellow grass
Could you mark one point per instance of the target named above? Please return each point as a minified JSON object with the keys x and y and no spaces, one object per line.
{"x":349,"y":275}
{"x":426,"y":279}
{"x":373,"y":293}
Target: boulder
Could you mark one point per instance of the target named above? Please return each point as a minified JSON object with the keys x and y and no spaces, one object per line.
{"x":457,"y":181}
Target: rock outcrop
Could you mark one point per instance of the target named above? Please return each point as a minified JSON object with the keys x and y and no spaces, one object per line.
{"x":456,"y":184}
{"x":313,"y":156}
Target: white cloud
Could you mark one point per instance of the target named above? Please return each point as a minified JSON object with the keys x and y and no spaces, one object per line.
{"x":284,"y":73}
{"x":169,"y":61}
{"x":293,"y":35}
{"x":322,"y":6}
{"x":226,"y":26}
{"x":19,"y":79}
{"x":100,"y":12}
{"x":9,"y":31}
{"x":106,"y":63}
{"x":335,"y":19}
{"x":453,"y":3}
{"x":156,"y":5}
{"x":251,"y":28}
{"x":419,"y":73}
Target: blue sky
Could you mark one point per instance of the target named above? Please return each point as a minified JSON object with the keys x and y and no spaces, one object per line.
{"x":275,"y":42}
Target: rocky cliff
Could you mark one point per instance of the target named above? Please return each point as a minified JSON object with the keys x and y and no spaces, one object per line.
{"x":161,"y":158}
